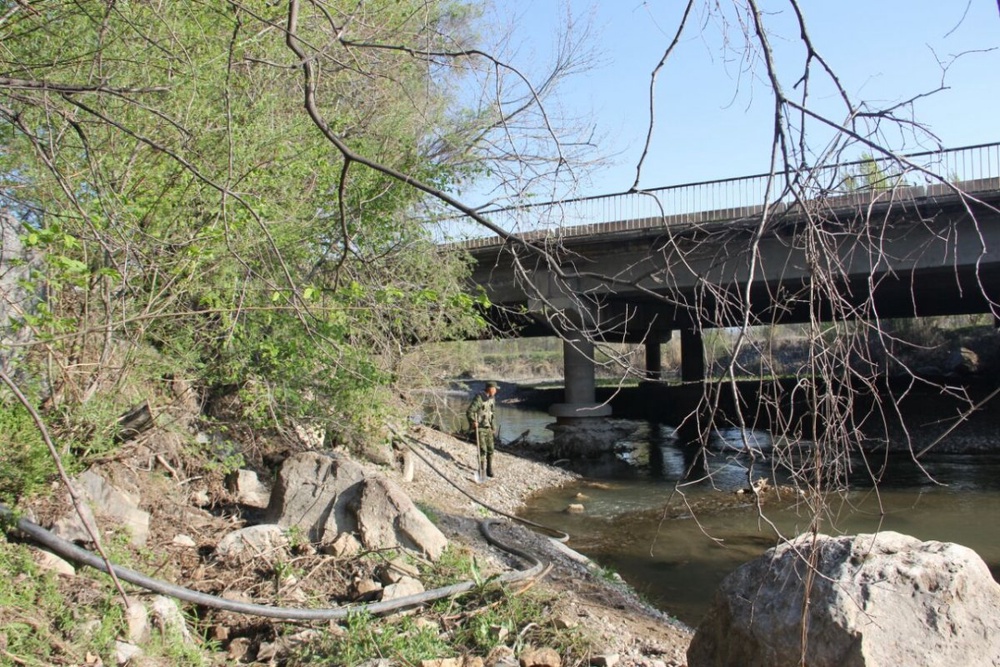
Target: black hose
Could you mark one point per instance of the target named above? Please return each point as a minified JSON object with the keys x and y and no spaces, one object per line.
{"x":72,"y":552}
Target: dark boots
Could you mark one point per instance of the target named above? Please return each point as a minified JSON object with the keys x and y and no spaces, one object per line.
{"x":489,"y":464}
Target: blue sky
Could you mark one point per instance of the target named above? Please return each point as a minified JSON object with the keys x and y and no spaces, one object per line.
{"x":714,"y":112}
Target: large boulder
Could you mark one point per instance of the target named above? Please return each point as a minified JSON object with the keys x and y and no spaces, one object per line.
{"x":313,"y":491}
{"x":327,"y":496}
{"x":387,"y":518}
{"x":873,"y":600}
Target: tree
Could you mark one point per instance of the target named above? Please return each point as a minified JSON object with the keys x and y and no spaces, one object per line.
{"x":157,"y":158}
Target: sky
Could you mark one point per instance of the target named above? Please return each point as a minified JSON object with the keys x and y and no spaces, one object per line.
{"x":714,"y":112}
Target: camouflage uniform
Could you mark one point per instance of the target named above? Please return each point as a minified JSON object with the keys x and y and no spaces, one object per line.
{"x":481,"y":412}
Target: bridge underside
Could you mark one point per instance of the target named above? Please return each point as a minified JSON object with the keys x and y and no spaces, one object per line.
{"x":897,"y":260}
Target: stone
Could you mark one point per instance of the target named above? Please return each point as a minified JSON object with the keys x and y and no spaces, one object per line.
{"x":570,"y":552}
{"x":254,"y":541}
{"x":962,"y":361}
{"x":442,"y":662}
{"x":472,"y":661}
{"x":71,"y":527}
{"x":184,"y":541}
{"x":345,"y":546}
{"x":366,"y":589}
{"x":238,"y":649}
{"x":575,"y":508}
{"x":53,"y":563}
{"x":564,"y":622}
{"x":248,"y":489}
{"x":589,"y":438}
{"x":113,"y":502}
{"x":169,"y":619}
{"x":313,"y":491}
{"x":408,"y":466}
{"x":404,"y":587}
{"x":605,"y":660}
{"x":540,"y":657}
{"x":396,"y":569}
{"x":125,"y":652}
{"x":877,"y":600}
{"x":136,"y":623}
{"x":388,"y":519}
{"x":102,"y":499}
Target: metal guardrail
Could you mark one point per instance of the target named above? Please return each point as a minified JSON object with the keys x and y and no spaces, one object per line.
{"x":971,"y":168}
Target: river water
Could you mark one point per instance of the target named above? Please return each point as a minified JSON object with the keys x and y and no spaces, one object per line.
{"x":673,"y":539}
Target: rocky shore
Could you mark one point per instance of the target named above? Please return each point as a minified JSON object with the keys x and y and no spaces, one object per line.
{"x":620,"y":623}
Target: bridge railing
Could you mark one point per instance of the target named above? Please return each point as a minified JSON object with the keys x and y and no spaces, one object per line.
{"x":971,"y":168}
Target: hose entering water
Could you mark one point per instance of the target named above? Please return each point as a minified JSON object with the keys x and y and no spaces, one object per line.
{"x":70,"y":551}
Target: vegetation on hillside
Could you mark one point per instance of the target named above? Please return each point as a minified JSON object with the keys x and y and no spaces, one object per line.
{"x":181,"y":216}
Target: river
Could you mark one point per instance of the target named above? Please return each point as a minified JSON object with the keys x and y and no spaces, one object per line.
{"x":674,"y":541}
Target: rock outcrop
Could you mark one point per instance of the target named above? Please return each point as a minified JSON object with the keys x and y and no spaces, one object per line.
{"x":327,"y":495}
{"x":312,"y":492}
{"x":874,"y":600}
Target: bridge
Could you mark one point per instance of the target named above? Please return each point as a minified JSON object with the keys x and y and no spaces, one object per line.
{"x":874,"y":238}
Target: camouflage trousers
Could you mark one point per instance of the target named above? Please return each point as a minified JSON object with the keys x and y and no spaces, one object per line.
{"x":485,"y":441}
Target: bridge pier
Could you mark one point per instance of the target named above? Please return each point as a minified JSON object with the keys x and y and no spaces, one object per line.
{"x":692,"y":355}
{"x":654,"y":360}
{"x":579,"y":383}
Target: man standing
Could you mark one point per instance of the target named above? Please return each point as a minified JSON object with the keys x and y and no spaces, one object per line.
{"x":483,"y":422}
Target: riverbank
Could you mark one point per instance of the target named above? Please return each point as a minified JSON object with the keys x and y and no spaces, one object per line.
{"x":617,"y":620}
{"x":164,"y":511}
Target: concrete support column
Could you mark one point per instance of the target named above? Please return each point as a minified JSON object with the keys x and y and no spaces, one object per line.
{"x":579,"y":392}
{"x":692,"y":355}
{"x":654,"y":359}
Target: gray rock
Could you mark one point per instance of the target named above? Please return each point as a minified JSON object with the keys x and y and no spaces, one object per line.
{"x":345,"y":546}
{"x":402,"y":588}
{"x":396,"y":569}
{"x":313,"y":491}
{"x":962,"y":361}
{"x":53,"y":563}
{"x":589,"y":437}
{"x":248,"y":489}
{"x":877,"y":600}
{"x":169,"y":619}
{"x":125,"y":652}
{"x":266,"y":540}
{"x":387,"y":518}
{"x":136,"y":623}
{"x":107,"y":501}
{"x":184,"y":541}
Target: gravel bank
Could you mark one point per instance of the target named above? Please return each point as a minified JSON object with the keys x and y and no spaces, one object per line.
{"x":619,"y":621}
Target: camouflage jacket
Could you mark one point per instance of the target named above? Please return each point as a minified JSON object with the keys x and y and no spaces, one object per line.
{"x":481,"y":412}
